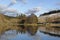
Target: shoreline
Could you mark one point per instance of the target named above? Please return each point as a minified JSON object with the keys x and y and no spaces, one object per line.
{"x":51,"y":34}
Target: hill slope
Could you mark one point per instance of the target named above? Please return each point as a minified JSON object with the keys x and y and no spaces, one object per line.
{"x":7,"y":23}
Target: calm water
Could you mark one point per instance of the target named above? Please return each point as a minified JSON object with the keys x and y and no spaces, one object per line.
{"x":13,"y":35}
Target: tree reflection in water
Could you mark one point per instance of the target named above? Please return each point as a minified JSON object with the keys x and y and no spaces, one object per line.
{"x":11,"y":35}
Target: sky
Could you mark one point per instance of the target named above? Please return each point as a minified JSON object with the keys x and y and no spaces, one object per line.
{"x":25,"y":6}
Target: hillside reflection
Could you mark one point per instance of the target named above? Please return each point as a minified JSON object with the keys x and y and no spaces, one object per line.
{"x":50,"y":31}
{"x":13,"y":35}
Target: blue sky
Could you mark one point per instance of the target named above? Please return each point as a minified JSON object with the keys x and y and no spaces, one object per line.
{"x":45,"y":5}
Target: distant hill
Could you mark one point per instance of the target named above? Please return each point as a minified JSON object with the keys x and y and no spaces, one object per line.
{"x":51,"y":12}
{"x":50,"y":16}
{"x":53,"y":18}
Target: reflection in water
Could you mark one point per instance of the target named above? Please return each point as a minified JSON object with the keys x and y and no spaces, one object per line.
{"x":50,"y":31}
{"x":12,"y":35}
{"x":8,"y":34}
{"x":48,"y":37}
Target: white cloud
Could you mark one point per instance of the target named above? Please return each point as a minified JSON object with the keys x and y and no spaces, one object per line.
{"x":10,"y":10}
{"x":34,"y":10}
{"x":24,"y":1}
{"x":15,"y":1}
{"x":2,"y":6}
{"x":4,"y":9}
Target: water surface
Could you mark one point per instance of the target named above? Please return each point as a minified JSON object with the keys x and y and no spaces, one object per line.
{"x":13,"y":35}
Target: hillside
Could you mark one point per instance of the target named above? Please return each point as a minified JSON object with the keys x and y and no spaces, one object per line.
{"x":20,"y":23}
{"x":7,"y":23}
{"x":50,"y":16}
{"x":51,"y":19}
{"x":50,"y":12}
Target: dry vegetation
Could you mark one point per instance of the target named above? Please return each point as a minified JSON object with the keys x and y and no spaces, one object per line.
{"x":20,"y":23}
{"x":51,"y":19}
{"x":8,"y":23}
